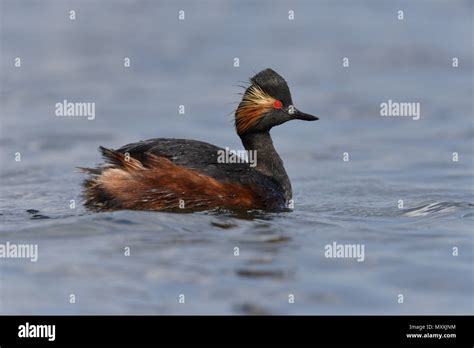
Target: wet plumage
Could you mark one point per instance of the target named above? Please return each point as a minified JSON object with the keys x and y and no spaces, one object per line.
{"x":180,"y":174}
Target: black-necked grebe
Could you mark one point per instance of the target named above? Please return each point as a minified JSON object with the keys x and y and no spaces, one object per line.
{"x":174,"y":174}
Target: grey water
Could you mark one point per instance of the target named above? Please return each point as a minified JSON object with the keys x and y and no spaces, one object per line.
{"x":421,"y":248}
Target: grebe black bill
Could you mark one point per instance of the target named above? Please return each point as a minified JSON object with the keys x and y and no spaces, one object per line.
{"x":180,"y":174}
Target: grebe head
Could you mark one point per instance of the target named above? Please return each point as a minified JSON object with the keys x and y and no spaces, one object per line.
{"x":266,"y":103}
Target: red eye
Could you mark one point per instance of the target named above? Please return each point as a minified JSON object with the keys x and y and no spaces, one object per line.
{"x":277,"y":104}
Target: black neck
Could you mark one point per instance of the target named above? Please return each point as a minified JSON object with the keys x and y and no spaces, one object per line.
{"x":268,"y":160}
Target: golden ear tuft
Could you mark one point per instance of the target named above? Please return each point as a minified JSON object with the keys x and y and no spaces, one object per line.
{"x":255,"y":103}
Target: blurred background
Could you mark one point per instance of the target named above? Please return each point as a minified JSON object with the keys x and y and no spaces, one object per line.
{"x":408,"y":250}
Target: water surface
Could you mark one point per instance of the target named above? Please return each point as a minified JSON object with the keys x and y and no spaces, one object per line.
{"x":408,"y":250}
